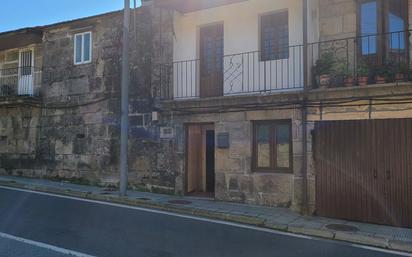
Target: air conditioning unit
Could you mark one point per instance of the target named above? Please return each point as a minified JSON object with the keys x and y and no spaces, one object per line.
{"x":166,"y":133}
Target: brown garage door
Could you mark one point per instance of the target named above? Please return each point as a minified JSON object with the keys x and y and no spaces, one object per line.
{"x":364,"y":170}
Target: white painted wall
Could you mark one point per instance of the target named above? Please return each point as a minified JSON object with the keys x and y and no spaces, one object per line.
{"x":241,"y":34}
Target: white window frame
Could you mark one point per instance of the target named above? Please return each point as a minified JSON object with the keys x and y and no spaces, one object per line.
{"x":82,"y":48}
{"x":145,"y":119}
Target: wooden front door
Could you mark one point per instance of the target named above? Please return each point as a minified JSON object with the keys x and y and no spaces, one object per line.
{"x":200,"y":159}
{"x":364,"y":170}
{"x":211,"y":61}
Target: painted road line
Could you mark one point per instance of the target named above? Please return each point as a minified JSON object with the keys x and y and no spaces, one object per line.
{"x":382,"y":250}
{"x":44,"y":246}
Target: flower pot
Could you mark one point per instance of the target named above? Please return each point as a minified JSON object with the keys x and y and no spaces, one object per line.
{"x":324,"y":81}
{"x":400,"y":77}
{"x":348,"y":81}
{"x":363,"y":81}
{"x":379,"y":79}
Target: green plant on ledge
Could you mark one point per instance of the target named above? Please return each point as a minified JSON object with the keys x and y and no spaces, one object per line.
{"x":344,"y":75}
{"x":362,"y":71}
{"x":324,"y":67}
{"x":402,"y":72}
{"x":384,"y":73}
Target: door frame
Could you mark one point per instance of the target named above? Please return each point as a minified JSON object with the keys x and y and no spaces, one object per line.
{"x":199,"y":54}
{"x":31,"y":84}
{"x":186,"y":152}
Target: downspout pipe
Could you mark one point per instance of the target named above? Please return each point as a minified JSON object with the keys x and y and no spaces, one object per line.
{"x":305,"y":202}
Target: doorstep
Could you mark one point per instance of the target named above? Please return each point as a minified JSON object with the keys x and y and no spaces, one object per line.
{"x":281,"y":219}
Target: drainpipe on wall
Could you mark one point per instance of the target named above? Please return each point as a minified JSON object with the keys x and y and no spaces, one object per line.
{"x":124,"y":126}
{"x":305,"y":203}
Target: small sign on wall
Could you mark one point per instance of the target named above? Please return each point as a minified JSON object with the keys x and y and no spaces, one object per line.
{"x":166,"y":133}
{"x":223,"y":140}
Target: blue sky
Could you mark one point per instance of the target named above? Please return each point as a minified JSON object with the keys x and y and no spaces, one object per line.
{"x":19,"y":14}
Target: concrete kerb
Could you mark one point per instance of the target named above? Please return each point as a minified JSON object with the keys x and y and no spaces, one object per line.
{"x":400,"y":245}
{"x":312,"y":232}
{"x":359,"y":238}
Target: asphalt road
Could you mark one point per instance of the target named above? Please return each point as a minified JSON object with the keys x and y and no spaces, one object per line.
{"x":12,"y":248}
{"x":104,"y":230}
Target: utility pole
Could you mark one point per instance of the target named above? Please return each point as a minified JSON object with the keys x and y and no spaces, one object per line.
{"x":124,"y":126}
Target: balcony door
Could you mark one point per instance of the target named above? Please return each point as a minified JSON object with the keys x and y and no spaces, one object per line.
{"x":383,"y":27}
{"x":25,"y":73}
{"x":211,"y":60}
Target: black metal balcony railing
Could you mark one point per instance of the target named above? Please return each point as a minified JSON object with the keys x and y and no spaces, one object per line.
{"x":20,"y":81}
{"x":354,"y":61}
{"x":362,"y":60}
{"x":236,"y":74}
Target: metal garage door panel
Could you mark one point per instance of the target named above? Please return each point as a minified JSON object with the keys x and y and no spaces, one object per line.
{"x":363,"y":170}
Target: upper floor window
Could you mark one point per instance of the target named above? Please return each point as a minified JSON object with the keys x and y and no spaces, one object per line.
{"x":382,"y":26}
{"x":274,"y":36}
{"x":82,"y":48}
{"x":10,"y":63}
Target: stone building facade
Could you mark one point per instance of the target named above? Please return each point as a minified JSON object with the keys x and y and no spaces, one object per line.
{"x":70,"y":128}
{"x":233,"y":116}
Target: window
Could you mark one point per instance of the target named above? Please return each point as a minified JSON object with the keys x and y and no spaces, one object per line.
{"x":140,"y":120}
{"x":274,"y":36}
{"x":272,"y":146}
{"x":83,"y":48}
{"x":388,"y":19}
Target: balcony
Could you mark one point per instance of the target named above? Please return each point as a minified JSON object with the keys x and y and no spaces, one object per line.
{"x":21,"y":81}
{"x":235,"y":74}
{"x":360,"y":61}
{"x":349,"y":62}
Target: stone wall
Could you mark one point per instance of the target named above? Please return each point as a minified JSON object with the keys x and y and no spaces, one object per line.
{"x":337,"y":19}
{"x":78,"y":128}
{"x":19,"y":129}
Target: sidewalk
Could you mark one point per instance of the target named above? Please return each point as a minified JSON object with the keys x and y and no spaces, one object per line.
{"x":272,"y":218}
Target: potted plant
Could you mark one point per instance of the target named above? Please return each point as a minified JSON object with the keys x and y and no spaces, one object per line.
{"x":324,"y":68}
{"x":402,"y":72}
{"x":380,"y":74}
{"x":384,"y":73}
{"x":346,"y":76}
{"x":363,"y":74}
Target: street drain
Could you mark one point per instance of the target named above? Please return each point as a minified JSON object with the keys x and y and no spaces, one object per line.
{"x":143,"y":199}
{"x":109,"y":189}
{"x":182,"y":202}
{"x":342,"y":227}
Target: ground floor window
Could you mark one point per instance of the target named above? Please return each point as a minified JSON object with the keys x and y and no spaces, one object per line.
{"x":272,"y":146}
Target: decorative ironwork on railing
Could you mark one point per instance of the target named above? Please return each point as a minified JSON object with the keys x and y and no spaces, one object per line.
{"x":20,"y":81}
{"x":352,"y":61}
{"x":234,"y":74}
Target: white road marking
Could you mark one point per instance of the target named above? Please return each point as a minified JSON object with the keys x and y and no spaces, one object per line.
{"x":228,"y":223}
{"x":382,"y":250}
{"x":44,"y":246}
